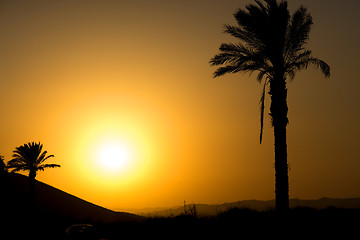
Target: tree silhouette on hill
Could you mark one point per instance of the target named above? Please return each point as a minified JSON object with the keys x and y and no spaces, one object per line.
{"x":3,"y":167}
{"x":273,"y":43}
{"x":30,"y":157}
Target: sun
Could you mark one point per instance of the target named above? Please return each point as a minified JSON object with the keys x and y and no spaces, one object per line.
{"x":114,"y":157}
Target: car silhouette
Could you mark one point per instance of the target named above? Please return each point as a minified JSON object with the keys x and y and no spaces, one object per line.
{"x":81,"y":232}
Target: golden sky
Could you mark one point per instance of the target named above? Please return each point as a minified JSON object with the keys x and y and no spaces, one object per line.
{"x":80,"y":75}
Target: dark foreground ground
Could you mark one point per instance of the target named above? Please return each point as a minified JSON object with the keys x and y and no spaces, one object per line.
{"x":52,"y":211}
{"x":236,"y":223}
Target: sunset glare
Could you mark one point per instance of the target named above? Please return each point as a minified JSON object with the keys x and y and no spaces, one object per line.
{"x":114,"y":157}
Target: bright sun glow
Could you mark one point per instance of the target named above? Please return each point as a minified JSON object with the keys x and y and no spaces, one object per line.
{"x":114,"y":157}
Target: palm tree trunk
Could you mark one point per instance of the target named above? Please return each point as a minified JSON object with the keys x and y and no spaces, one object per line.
{"x":32,"y":175}
{"x":278,"y":112}
{"x":281,"y":169}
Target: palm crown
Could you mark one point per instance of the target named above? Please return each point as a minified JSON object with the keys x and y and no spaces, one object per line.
{"x":271,"y":42}
{"x":29,"y":157}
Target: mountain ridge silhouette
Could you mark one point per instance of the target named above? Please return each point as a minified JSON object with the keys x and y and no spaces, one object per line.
{"x":258,"y":205}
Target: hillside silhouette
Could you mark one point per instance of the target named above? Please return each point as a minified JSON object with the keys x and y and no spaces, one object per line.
{"x":55,"y":202}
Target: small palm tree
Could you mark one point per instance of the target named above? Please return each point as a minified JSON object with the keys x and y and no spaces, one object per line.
{"x":29,"y":157}
{"x":273,"y":43}
{"x":3,"y":167}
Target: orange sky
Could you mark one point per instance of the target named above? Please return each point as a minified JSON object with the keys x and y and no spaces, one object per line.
{"x":76,"y":74}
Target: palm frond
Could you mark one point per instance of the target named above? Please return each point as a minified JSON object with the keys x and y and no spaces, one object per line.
{"x":230,"y":53}
{"x":43,"y":158}
{"x":298,"y":32}
{"x":250,"y":29}
{"x":222,"y":58}
{"x":19,"y":167}
{"x":303,"y":63}
{"x":262,"y":108}
{"x":297,"y":62}
{"x":324,"y":67}
{"x":17,"y":162}
{"x":43,"y":166}
{"x":224,"y":70}
{"x":266,"y":70}
{"x":261,"y":75}
{"x":235,"y":48}
{"x":247,"y":37}
{"x":237,"y":57}
{"x":21,"y":155}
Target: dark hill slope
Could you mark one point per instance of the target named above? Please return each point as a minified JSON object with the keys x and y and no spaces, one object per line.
{"x":52,"y":201}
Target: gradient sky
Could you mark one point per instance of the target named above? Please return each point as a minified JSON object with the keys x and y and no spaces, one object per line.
{"x":76,"y":74}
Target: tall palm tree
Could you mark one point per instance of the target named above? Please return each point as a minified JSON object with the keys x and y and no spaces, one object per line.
{"x":29,"y":157}
{"x":273,"y":43}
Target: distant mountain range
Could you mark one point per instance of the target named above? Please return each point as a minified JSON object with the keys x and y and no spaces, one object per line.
{"x":214,"y":209}
{"x":52,"y":201}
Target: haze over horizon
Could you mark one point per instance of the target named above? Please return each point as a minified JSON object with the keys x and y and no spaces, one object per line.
{"x":84,"y":76}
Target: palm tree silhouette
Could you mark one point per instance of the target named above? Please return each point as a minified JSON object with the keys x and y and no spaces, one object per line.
{"x":272,"y":42}
{"x":29,"y":157}
{"x":3,"y":167}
